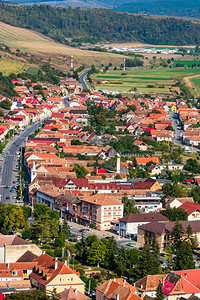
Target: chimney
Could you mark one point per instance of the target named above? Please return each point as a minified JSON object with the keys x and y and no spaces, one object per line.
{"x":117,"y":297}
{"x":56,"y":264}
{"x":124,"y":282}
{"x":114,"y":279}
{"x":8,"y":265}
{"x":75,"y":291}
{"x":43,"y":252}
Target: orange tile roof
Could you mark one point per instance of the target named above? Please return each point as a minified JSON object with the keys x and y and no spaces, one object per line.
{"x":145,"y":160}
{"x":100,"y":199}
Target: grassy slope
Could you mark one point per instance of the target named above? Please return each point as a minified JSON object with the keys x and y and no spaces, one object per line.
{"x":36,"y":43}
{"x":8,"y":66}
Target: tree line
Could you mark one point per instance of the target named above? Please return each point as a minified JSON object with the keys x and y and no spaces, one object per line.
{"x":100,"y":25}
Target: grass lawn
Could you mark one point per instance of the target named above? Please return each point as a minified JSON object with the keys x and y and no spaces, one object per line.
{"x":8,"y":66}
{"x":196,"y":81}
{"x":160,"y":80}
{"x":33,"y":70}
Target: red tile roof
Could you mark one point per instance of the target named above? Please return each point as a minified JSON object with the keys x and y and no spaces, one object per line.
{"x":190,"y":207}
{"x":46,"y":264}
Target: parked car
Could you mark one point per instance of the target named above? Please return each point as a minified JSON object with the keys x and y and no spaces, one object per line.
{"x":130,"y":245}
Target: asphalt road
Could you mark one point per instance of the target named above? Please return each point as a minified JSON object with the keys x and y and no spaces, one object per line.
{"x":83,"y":81}
{"x":178,"y":134}
{"x":121,"y":241}
{"x":66,"y":101}
{"x":9,"y":164}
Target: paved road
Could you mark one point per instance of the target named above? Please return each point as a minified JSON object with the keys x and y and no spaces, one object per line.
{"x":178,"y":134}
{"x":66,"y":101}
{"x":10,"y":163}
{"x":75,"y":229}
{"x":83,"y":81}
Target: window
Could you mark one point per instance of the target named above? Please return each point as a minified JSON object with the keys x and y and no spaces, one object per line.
{"x":119,"y":207}
{"x":114,"y":207}
{"x":109,"y":207}
{"x":72,"y":279}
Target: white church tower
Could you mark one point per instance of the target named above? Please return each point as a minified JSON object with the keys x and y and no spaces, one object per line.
{"x":33,"y":172}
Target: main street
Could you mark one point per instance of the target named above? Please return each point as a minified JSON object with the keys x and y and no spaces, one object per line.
{"x":178,"y":134}
{"x":10,"y":163}
{"x":83,"y":81}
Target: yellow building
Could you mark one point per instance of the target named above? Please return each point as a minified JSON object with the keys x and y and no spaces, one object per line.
{"x":51,"y":274}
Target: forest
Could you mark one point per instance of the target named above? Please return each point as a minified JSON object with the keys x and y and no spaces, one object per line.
{"x":180,"y":8}
{"x":100,"y":25}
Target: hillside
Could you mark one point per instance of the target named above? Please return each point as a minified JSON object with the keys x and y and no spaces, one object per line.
{"x":99,"y":25}
{"x":181,"y":8}
{"x":73,"y":3}
{"x":41,"y":47}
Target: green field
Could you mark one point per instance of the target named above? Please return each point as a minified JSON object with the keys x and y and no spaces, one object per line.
{"x":160,"y":80}
{"x":196,"y":81}
{"x":187,"y":63}
{"x":33,"y":71}
{"x":8,"y":66}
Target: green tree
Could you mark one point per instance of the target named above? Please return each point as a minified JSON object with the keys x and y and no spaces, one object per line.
{"x":26,"y":234}
{"x":184,"y":257}
{"x":177,"y":234}
{"x":6,"y":104}
{"x":15,"y":219}
{"x":66,"y":229}
{"x":121,"y":261}
{"x":96,"y":253}
{"x":175,"y":214}
{"x":129,"y":206}
{"x":31,"y":295}
{"x":148,"y":264}
{"x":81,"y":171}
{"x":192,"y":166}
{"x":111,"y":251}
{"x":159,"y":292}
{"x":183,"y":248}
{"x":169,"y":256}
{"x":26,"y":211}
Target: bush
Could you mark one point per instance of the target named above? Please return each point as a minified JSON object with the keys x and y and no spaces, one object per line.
{"x":58,"y":252}
{"x":92,"y":225}
{"x":81,"y":271}
{"x":26,"y":234}
{"x":4,"y":231}
{"x":50,"y":252}
{"x":45,"y":246}
{"x":58,"y":242}
{"x":73,"y":240}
